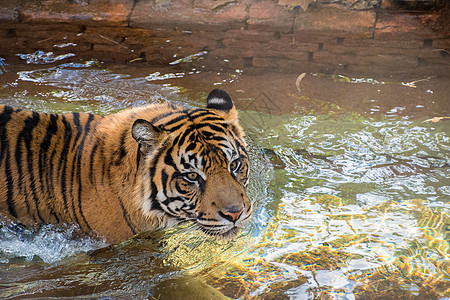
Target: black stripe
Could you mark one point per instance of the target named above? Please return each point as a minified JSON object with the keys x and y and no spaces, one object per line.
{"x":122,"y":152}
{"x":168,"y":160}
{"x":18,"y":159}
{"x":193,"y":157}
{"x":10,"y":188}
{"x":75,"y":167}
{"x":46,"y":180}
{"x":73,"y":159}
{"x":25,"y":136}
{"x":50,"y":175}
{"x":79,"y":152}
{"x":191,"y":147}
{"x":183,"y":137}
{"x":50,"y":131}
{"x":161,"y":116}
{"x":62,"y":165}
{"x":5,"y":117}
{"x":211,"y":126}
{"x":173,"y":129}
{"x":183,"y":117}
{"x":152,"y":172}
{"x":164,"y":180}
{"x":91,"y":161}
{"x":210,"y":219}
{"x":199,"y":112}
{"x":156,"y":205}
{"x":212,"y":118}
{"x":185,"y":164}
{"x":167,"y":201}
{"x":193,"y":138}
{"x":76,"y":122}
{"x":218,"y":138}
{"x":179,"y":188}
{"x":154,"y":190}
{"x":153,"y":187}
{"x":126,"y":216}
{"x":176,"y":139}
{"x":30,"y":124}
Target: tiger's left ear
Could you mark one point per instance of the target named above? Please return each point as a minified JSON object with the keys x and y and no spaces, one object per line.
{"x":220,"y":101}
{"x":148,"y":136}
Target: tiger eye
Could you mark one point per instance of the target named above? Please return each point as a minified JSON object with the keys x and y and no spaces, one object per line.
{"x":233,"y":165}
{"x":192,"y":176}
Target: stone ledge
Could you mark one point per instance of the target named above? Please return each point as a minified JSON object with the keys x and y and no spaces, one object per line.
{"x":256,"y":35}
{"x":108,"y":11}
{"x":183,"y":15}
{"x":215,"y":15}
{"x":336,"y":19}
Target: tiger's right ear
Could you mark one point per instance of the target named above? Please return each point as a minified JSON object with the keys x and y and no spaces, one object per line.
{"x":221,"y":102}
{"x":146,"y":134}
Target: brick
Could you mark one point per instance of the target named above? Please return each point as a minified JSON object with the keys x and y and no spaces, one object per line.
{"x":335,"y":19}
{"x":114,"y":11}
{"x":444,"y":60}
{"x":286,"y":65}
{"x":441,"y":43}
{"x":374,"y":50}
{"x":181,"y":14}
{"x":327,"y":57}
{"x":267,"y":14}
{"x":394,"y":61}
{"x":407,"y":26}
{"x":9,"y":10}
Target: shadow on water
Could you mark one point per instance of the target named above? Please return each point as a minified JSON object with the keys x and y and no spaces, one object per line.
{"x":350,"y":179}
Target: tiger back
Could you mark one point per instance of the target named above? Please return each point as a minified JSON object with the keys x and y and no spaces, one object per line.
{"x":142,"y":169}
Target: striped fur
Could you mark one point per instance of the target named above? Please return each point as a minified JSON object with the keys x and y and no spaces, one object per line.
{"x":142,"y":169}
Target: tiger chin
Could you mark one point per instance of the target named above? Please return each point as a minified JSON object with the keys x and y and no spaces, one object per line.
{"x":142,"y":169}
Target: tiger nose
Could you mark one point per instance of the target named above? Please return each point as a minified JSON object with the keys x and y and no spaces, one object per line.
{"x":232,"y":213}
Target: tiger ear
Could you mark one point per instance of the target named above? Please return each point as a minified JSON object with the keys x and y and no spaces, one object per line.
{"x":146,"y":134}
{"x":220,"y":101}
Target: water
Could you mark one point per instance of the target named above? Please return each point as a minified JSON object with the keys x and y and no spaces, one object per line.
{"x":350,"y":180}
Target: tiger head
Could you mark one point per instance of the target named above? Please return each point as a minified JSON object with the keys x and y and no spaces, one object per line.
{"x":195,"y":167}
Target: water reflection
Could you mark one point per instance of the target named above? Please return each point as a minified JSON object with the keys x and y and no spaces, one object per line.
{"x":41,"y":57}
{"x":83,"y":87}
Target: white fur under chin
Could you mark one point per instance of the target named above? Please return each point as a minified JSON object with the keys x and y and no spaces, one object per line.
{"x":158,"y":220}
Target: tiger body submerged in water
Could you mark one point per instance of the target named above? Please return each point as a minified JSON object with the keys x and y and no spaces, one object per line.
{"x":141,"y":169}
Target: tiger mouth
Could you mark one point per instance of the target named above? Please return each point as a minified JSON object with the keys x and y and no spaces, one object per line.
{"x":225,"y":235}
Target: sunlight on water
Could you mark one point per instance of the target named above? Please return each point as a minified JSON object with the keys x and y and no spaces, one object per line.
{"x":158,"y":76}
{"x":350,"y":224}
{"x":189,"y":58}
{"x":41,"y":57}
{"x":87,"y":88}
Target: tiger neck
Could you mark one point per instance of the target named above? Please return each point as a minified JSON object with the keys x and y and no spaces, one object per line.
{"x":118,"y":155}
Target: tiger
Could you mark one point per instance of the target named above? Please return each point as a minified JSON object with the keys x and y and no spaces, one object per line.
{"x":140,"y":170}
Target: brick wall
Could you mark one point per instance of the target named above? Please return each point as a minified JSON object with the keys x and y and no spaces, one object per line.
{"x":256,"y":35}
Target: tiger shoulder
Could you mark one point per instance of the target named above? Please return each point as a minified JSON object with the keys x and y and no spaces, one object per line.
{"x":142,"y":169}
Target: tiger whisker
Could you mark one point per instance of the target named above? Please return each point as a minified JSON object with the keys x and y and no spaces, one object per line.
{"x":186,"y":235}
